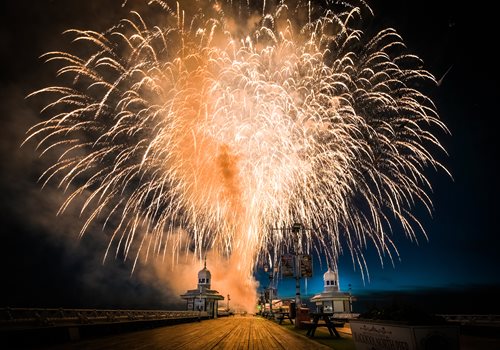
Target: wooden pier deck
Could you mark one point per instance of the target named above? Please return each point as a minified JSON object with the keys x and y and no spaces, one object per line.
{"x":252,"y":333}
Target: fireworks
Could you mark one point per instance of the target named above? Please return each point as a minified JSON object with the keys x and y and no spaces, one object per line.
{"x":224,"y":119}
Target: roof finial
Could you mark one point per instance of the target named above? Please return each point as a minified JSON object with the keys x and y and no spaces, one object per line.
{"x":205,"y":262}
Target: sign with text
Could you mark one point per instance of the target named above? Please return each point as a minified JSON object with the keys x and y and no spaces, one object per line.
{"x":385,"y":336}
{"x":306,"y":269}
{"x":287,"y":265}
{"x":370,"y":336}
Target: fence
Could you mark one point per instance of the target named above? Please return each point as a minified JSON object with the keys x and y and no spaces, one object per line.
{"x":15,"y":318}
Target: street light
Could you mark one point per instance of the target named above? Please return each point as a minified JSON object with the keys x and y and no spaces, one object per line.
{"x":199,"y":308}
{"x":270,"y":287}
{"x":296,"y":228}
{"x":350,"y":299}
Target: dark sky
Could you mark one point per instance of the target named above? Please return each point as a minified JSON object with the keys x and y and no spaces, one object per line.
{"x":40,"y":266}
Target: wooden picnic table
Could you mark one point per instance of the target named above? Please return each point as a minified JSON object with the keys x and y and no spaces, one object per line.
{"x":282,"y":315}
{"x":327,"y":322}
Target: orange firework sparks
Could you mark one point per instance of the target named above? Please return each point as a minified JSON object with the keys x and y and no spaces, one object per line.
{"x":226,"y":130}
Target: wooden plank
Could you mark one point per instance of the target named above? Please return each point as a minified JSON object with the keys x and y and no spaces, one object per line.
{"x":246,"y":333}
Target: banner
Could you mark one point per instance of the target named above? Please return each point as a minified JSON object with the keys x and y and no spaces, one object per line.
{"x":287,"y":265}
{"x":306,"y":268}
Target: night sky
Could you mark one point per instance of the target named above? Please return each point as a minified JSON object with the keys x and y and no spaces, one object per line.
{"x":43,"y":264}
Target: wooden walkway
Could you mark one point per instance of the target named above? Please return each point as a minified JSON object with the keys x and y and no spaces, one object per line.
{"x":253,"y":333}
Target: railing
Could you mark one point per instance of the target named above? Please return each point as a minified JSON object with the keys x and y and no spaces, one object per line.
{"x":37,"y":317}
{"x":491,"y":320}
{"x":344,"y":315}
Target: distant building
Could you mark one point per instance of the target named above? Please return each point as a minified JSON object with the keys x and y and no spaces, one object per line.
{"x":203,"y":298}
{"x":332,"y":300}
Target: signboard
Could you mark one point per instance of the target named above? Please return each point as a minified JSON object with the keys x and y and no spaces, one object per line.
{"x":306,"y":269}
{"x":287,"y":265}
{"x":381,"y":336}
{"x":369,"y":336}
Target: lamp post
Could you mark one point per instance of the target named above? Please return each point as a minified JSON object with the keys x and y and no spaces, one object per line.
{"x":270,"y":287}
{"x":350,"y":299}
{"x":296,"y":229}
{"x":199,"y":308}
{"x":262,"y":302}
{"x":228,"y":298}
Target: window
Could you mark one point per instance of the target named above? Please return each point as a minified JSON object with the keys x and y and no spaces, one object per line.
{"x":208,"y":280}
{"x":327,"y":283}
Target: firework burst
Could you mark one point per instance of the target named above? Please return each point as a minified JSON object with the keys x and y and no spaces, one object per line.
{"x":225,"y":130}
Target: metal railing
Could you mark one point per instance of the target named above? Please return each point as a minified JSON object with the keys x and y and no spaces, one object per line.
{"x":344,"y":315}
{"x":464,"y":319}
{"x":38,"y":317}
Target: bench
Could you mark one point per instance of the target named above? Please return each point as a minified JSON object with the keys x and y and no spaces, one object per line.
{"x":311,"y":327}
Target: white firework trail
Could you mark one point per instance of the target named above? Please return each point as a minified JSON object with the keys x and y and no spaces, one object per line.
{"x":226,"y":130}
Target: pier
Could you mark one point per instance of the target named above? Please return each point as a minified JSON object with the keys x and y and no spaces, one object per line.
{"x":78,"y":329}
{"x":238,"y":332}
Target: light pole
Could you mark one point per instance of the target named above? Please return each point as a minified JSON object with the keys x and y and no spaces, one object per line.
{"x":199,"y":308}
{"x":350,"y":299}
{"x":270,"y":287}
{"x":228,"y":298}
{"x":296,"y":229}
{"x":262,"y":302}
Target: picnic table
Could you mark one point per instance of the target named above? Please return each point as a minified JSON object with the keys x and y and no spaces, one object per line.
{"x":327,"y":322}
{"x":282,"y":315}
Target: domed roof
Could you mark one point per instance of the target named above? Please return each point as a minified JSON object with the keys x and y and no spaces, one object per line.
{"x":204,"y":273}
{"x":330,"y":275}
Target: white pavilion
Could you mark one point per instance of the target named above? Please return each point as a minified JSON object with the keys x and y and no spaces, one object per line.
{"x":203,"y":298}
{"x":332,"y":300}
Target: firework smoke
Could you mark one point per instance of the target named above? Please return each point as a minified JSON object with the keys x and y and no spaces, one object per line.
{"x":224,"y":119}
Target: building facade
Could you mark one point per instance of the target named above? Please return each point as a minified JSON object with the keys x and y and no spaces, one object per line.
{"x":332,"y":300}
{"x":203,"y":298}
